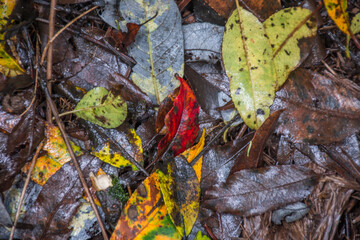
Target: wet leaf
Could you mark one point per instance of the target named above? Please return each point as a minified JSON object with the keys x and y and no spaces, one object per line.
{"x":337,"y":11}
{"x":143,"y":217}
{"x":158,"y":48}
{"x":200,"y":236}
{"x":251,"y":156}
{"x":8,"y":66}
{"x":58,"y":201}
{"x":252,"y":192}
{"x":202,"y":42}
{"x":296,"y":49}
{"x":191,"y":153}
{"x":320,"y":109}
{"x":247,"y":57}
{"x":355,"y":24}
{"x":181,"y":122}
{"x":101,"y":107}
{"x":57,"y":155}
{"x":180,"y":189}
{"x":116,"y":159}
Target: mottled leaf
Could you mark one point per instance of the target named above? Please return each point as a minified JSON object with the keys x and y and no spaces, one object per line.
{"x":247,"y":57}
{"x":278,"y":28}
{"x":116,"y":159}
{"x":337,"y":11}
{"x":57,"y":155}
{"x":180,"y":189}
{"x":252,"y":192}
{"x":144,"y":217}
{"x":102,"y":107}
{"x":158,"y":48}
{"x":320,"y":109}
{"x":181,"y":122}
{"x":355,"y":24}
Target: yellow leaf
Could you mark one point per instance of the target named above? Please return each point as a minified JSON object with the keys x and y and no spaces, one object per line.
{"x":116,"y":159}
{"x":337,"y":12}
{"x":191,"y":153}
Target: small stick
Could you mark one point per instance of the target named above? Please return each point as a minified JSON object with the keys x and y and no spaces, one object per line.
{"x":72,"y":155}
{"x":33,"y":161}
{"x":295,"y":29}
{"x":50,"y":54}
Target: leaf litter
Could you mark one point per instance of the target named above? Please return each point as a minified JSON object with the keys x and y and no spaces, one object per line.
{"x":296,"y":176}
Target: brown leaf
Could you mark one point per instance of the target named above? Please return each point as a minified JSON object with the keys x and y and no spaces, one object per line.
{"x":320,"y":109}
{"x":252,"y":192}
{"x":58,"y":200}
{"x":251,"y":156}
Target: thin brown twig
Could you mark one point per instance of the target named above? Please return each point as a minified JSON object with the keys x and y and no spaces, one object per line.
{"x":33,"y":161}
{"x":62,"y":30}
{"x":296,"y":29}
{"x":73,"y":157}
{"x":50,"y":54}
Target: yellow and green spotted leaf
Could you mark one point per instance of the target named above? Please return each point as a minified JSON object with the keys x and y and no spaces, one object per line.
{"x":8,"y":66}
{"x":144,"y":216}
{"x":337,"y":12}
{"x":57,"y":155}
{"x":247,"y":57}
{"x":278,"y":27}
{"x":102,"y":107}
{"x":180,"y":189}
{"x":106,"y":154}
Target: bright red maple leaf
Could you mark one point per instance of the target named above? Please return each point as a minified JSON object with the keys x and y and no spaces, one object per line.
{"x":181,"y":122}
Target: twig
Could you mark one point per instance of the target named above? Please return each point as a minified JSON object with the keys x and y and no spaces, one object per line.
{"x":296,"y":29}
{"x":62,"y":30}
{"x":72,"y":155}
{"x":33,"y":161}
{"x":50,"y":54}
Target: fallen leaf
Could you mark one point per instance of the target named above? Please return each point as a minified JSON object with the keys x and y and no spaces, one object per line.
{"x":143,"y":217}
{"x":107,"y":154}
{"x":200,"y":236}
{"x":181,"y":122}
{"x":158,"y":48}
{"x":102,"y":107}
{"x":57,"y":155}
{"x":180,"y":190}
{"x":124,"y":39}
{"x":247,"y":57}
{"x":58,"y":201}
{"x":320,"y":109}
{"x":278,"y":28}
{"x":252,"y":192}
{"x":337,"y":12}
{"x":251,"y":156}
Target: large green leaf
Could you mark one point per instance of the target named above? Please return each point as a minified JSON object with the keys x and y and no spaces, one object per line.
{"x":248,"y":63}
{"x":101,"y":107}
{"x":159,"y":46}
{"x":279,"y":28}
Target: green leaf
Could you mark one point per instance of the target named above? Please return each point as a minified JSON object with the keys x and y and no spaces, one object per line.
{"x":247,"y":57}
{"x":199,"y":236}
{"x":355,"y":24}
{"x":101,"y":107}
{"x":279,"y":28}
{"x":180,"y":189}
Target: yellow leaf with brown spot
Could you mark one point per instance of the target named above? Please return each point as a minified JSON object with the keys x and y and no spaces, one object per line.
{"x":57,"y":155}
{"x":191,"y":153}
{"x":337,"y":12}
{"x":116,"y":159}
{"x":180,"y":189}
{"x":145,"y":216}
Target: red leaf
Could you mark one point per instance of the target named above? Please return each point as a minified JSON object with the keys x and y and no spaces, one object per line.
{"x":181,"y":122}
